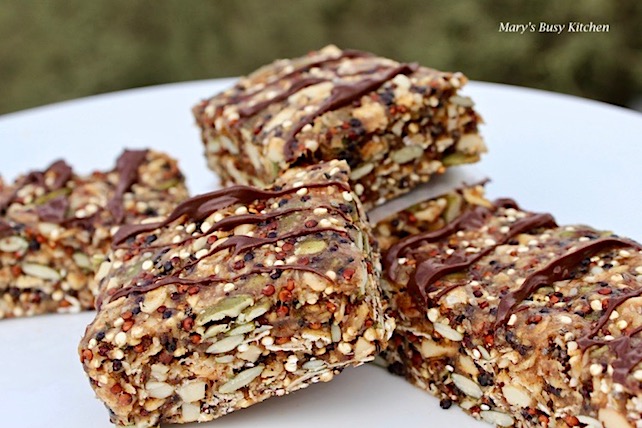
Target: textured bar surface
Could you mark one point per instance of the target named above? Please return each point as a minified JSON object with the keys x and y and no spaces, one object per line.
{"x":395,"y":124}
{"x":239,"y":295}
{"x":55,"y":226}
{"x":520,"y":322}
{"x":429,"y":215}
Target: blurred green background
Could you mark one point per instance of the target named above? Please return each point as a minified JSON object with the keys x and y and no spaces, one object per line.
{"x":56,"y":50}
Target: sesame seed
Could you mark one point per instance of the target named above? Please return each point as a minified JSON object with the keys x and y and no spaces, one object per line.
{"x":325,"y":223}
{"x":267,"y":341}
{"x":565,"y":319}
{"x":320,"y":211}
{"x":359,"y":189}
{"x":433,"y":314}
{"x":450,"y":368}
{"x":176,"y":239}
{"x":241,"y":210}
{"x":148,"y":264}
{"x":484,"y":407}
{"x":302,"y":191}
{"x":297,"y":184}
{"x":229,"y":287}
{"x":595,"y":369}
{"x":614,"y":315}
{"x":120,"y":339}
{"x":512,"y":320}
{"x":347,"y":196}
{"x":571,"y":346}
{"x":596,"y":305}
{"x":604,"y":387}
{"x":190,"y":228}
{"x":201,"y":253}
{"x":205,"y":227}
{"x":345,"y":348}
{"x":622,"y":324}
{"x":637,"y":375}
{"x":331,"y":274}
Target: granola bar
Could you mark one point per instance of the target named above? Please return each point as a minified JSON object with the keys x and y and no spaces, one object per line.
{"x":395,"y":124}
{"x":429,"y":215}
{"x":519,"y":321}
{"x":239,"y":295}
{"x":54,"y":225}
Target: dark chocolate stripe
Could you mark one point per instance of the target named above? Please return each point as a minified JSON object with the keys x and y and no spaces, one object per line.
{"x":251,"y":110}
{"x":233,"y":221}
{"x":341,"y":96}
{"x":346,"y":54}
{"x":422,"y":281}
{"x":557,"y":270}
{"x":199,"y":207}
{"x":127,"y":168}
{"x":140,"y":289}
{"x":241,"y":243}
{"x":62,"y":174}
{"x":628,"y":354}
{"x":55,"y":210}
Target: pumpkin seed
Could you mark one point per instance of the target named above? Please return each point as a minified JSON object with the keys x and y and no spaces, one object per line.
{"x":40,"y":271}
{"x":240,"y":380}
{"x":225,"y":344}
{"x":13,"y":244}
{"x":228,"y":307}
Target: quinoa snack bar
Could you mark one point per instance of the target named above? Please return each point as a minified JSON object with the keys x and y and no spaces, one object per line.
{"x":55,"y":225}
{"x":237,"y":296}
{"x":519,"y":321}
{"x":431,"y":214}
{"x":395,"y":124}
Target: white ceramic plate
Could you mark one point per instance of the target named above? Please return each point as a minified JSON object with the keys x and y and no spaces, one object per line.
{"x":579,"y":159}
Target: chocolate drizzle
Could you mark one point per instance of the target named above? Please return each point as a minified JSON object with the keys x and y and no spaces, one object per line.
{"x":626,"y":350}
{"x":557,"y":270}
{"x":342,"y":95}
{"x":238,"y":244}
{"x":251,"y":110}
{"x":627,"y":354}
{"x":127,"y":168}
{"x":55,"y":210}
{"x":61,"y":171}
{"x":348,"y":53}
{"x":141,"y":289}
{"x":199,"y":207}
{"x":428,"y":270}
{"x":231,"y":222}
